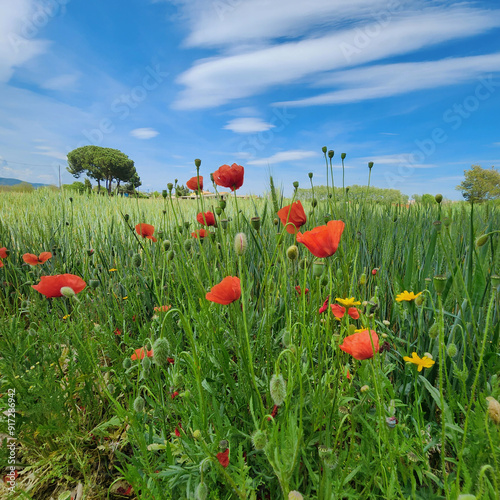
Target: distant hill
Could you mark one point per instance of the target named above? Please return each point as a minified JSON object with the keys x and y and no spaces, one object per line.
{"x":5,"y":181}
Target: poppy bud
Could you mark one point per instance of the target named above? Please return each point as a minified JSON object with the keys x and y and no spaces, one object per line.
{"x":324,"y":149}
{"x":434,"y":331}
{"x":223,"y":223}
{"x":420,"y":300}
{"x":292,"y":252}
{"x":439,"y":284}
{"x":240,"y":243}
{"x":197,"y":163}
{"x":218,"y":210}
{"x":452,"y":350}
{"x":90,"y":252}
{"x":70,"y":199}
{"x":327,"y":218}
{"x":493,"y":409}
{"x":482,"y":240}
{"x":187,"y":224}
{"x":255,"y":221}
{"x":146,"y":363}
{"x":362,"y":279}
{"x":161,"y":352}
{"x":197,"y":434}
{"x":352,"y":329}
{"x":164,"y":193}
{"x":127,"y":363}
{"x":446,"y":221}
{"x":176,"y":181}
{"x":222,"y":204}
{"x":295,"y":495}
{"x":187,"y":245}
{"x":212,"y":177}
{"x":170,"y":255}
{"x":275,"y":222}
{"x":324,"y":280}
{"x":314,"y":202}
{"x":111,"y":388}
{"x":303,"y":263}
{"x":167,"y":245}
{"x":137,"y":260}
{"x":93,"y":283}
{"x":277,"y":388}
{"x":318,"y":268}
{"x":347,"y":189}
{"x":68,"y":292}
{"x":331,"y":153}
{"x":201,"y":492}
{"x":139,"y":404}
{"x":365,"y":388}
{"x":437,"y":224}
{"x":126,"y":217}
{"x":223,"y":444}
{"x":310,"y":174}
{"x":170,"y":186}
{"x":286,"y":337}
{"x":439,"y":198}
{"x":391,"y":422}
{"x":295,"y":184}
{"x":259,"y":440}
{"x":370,"y":165}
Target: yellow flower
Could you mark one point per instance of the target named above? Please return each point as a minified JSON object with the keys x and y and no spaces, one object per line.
{"x":112,"y":270}
{"x":408,"y":296}
{"x":424,"y":362}
{"x":66,"y":316}
{"x":348,"y":302}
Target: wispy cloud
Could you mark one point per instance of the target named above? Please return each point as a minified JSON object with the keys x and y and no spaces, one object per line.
{"x":144,"y":133}
{"x":394,"y":79}
{"x":216,"y":81}
{"x":248,"y":125}
{"x":284,"y":156}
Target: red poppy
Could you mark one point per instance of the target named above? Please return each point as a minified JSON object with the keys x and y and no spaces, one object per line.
{"x":51,"y":286}
{"x":293,"y":214}
{"x":177,"y":432}
{"x":223,"y":458}
{"x":339,"y":311}
{"x":359,"y":345}
{"x":374,"y":271}
{"x":33,"y":260}
{"x":299,"y":290}
{"x":174,"y":394}
{"x":323,"y":241}
{"x":324,"y":307}
{"x":227,"y":291}
{"x":117,"y":331}
{"x":171,"y":360}
{"x":3,"y":253}
{"x":274,"y":412}
{"x":1,"y":263}
{"x":207,"y":218}
{"x":200,"y":233}
{"x":162,"y":308}
{"x":193,"y":183}
{"x":141,"y":353}
{"x":229,"y":176}
{"x":146,"y":231}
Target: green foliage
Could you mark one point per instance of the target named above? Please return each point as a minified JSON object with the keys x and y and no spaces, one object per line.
{"x":356,"y":194}
{"x":480,"y":184}
{"x":181,"y":190}
{"x":103,"y":164}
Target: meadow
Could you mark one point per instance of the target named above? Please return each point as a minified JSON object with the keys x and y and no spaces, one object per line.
{"x":371,"y":372}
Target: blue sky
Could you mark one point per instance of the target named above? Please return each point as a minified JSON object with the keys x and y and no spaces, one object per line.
{"x":413,"y":86}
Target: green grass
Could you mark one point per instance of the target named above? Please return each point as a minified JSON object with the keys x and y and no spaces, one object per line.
{"x":76,"y":386}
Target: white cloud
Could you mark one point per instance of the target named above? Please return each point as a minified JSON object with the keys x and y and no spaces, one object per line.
{"x":248,"y":125}
{"x":144,"y":133}
{"x":61,"y":82}
{"x":216,"y":81}
{"x":402,"y":160}
{"x":400,"y":78}
{"x":284,"y":156}
{"x":17,"y":35}
{"x":52,"y":153}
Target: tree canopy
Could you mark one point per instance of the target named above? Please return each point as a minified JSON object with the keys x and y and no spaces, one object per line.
{"x":103,"y":164}
{"x":480,"y":184}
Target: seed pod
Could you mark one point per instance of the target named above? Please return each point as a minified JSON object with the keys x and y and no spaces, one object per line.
{"x":139,"y":404}
{"x":167,"y":245}
{"x":277,"y":388}
{"x":255,"y":221}
{"x":137,"y":260}
{"x":439,"y":284}
{"x":259,"y":440}
{"x":161,"y":352}
{"x":93,"y":283}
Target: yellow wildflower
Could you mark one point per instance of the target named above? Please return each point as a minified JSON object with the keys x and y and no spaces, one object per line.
{"x":349,"y":302}
{"x":424,"y":362}
{"x":408,"y":296}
